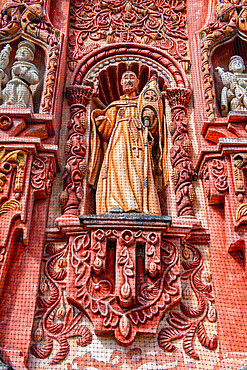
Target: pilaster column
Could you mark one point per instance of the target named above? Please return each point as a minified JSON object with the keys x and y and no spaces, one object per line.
{"x":75,"y":150}
{"x":183,"y":169}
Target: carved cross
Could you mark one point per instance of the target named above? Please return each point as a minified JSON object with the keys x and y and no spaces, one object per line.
{"x":137,"y":148}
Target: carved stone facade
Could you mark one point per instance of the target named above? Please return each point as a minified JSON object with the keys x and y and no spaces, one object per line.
{"x":123,"y":203}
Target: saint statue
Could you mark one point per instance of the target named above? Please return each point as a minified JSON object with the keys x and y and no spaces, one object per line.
{"x":17,"y":92}
{"x":128,"y":150}
{"x":234,"y":92}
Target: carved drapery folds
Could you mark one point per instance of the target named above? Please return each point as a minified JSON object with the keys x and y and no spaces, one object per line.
{"x":183,"y":169}
{"x":215,"y":181}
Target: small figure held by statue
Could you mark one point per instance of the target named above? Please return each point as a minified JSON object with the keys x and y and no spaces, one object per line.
{"x":16,"y":92}
{"x":234,"y":92}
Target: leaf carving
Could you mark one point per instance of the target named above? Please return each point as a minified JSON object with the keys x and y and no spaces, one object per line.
{"x":60,"y":331}
{"x":188,"y":342}
{"x":190,"y":322}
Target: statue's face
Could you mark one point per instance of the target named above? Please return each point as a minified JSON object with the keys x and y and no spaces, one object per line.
{"x":129,"y":82}
{"x":24,"y":53}
{"x":236,"y":65}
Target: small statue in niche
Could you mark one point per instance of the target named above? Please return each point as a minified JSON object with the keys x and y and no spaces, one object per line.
{"x":122,"y":166}
{"x":17,"y":92}
{"x":234,"y":92}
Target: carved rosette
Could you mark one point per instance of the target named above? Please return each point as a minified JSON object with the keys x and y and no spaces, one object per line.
{"x":125,"y":280}
{"x":75,"y":149}
{"x":183,"y":169}
{"x":215,"y":181}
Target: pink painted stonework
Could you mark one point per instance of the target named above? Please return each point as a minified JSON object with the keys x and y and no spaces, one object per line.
{"x":123,"y":204}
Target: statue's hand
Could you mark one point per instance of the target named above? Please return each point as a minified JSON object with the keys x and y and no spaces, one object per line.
{"x":23,"y":71}
{"x":150,"y":114}
{"x":1,"y":74}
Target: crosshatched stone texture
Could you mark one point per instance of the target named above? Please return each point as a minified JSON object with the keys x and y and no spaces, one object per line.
{"x":123,"y":164}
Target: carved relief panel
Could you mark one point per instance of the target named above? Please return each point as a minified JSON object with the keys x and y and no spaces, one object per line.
{"x":124,"y":278}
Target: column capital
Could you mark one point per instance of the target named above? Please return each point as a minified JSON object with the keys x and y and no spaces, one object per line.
{"x":78,"y":95}
{"x":178,"y":97}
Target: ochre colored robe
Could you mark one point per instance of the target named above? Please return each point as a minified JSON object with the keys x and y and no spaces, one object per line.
{"x":121,"y":178}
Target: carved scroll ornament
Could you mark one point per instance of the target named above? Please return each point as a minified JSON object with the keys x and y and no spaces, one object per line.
{"x":52,"y":308}
{"x":189,"y":322}
{"x":125,"y":302}
{"x":160,"y":24}
{"x":23,"y":17}
{"x":215,"y":181}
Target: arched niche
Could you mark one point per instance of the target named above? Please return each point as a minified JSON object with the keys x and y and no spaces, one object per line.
{"x":165,"y":63}
{"x":40,"y":63}
{"x":106,"y":66}
{"x":220,"y":57}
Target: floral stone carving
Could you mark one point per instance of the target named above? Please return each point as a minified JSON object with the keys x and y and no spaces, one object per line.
{"x":161,"y":24}
{"x":52,"y":308}
{"x":190,"y":322}
{"x":125,"y":279}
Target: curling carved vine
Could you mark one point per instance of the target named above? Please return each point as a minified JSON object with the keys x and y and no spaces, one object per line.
{"x":190,"y":322}
{"x":52,"y":308}
{"x":161,"y":23}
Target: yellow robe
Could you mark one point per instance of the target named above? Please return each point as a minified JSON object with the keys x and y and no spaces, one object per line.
{"x":121,"y":177}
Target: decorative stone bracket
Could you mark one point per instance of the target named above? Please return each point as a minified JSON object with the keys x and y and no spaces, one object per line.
{"x":25,"y":176}
{"x":124,"y":273}
{"x":215,"y":181}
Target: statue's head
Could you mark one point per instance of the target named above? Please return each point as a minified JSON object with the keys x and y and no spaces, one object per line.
{"x":25,"y":51}
{"x":129,"y":82}
{"x":236,"y":64}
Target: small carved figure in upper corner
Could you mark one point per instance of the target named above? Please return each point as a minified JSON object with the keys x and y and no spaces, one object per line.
{"x":17,"y":92}
{"x":234,"y":92}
